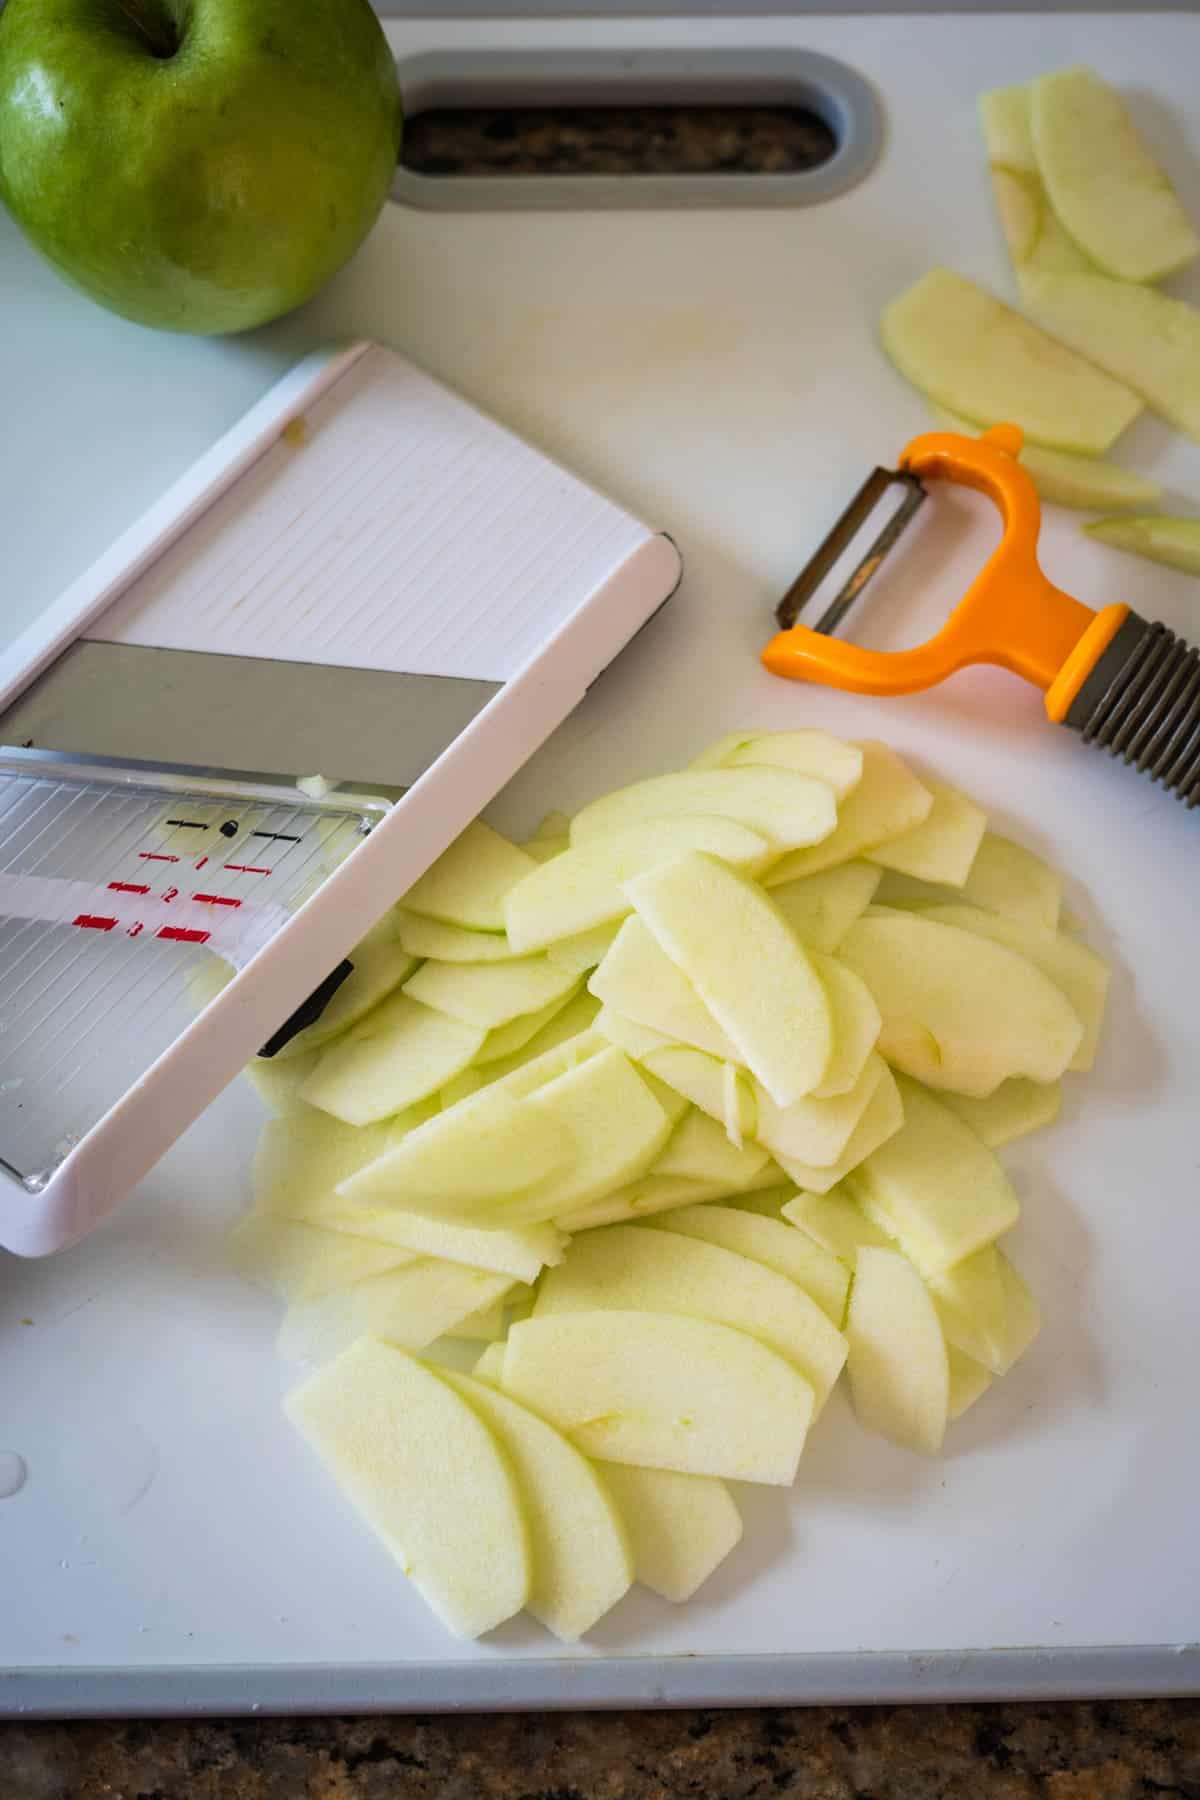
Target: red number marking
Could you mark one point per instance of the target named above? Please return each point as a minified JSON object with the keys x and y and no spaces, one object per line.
{"x":94,"y":922}
{"x":216,"y":900}
{"x":129,"y":887}
{"x":156,"y":856}
{"x":246,"y":869}
{"x":178,"y":934}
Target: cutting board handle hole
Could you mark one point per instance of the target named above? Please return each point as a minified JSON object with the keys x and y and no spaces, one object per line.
{"x":511,"y":131}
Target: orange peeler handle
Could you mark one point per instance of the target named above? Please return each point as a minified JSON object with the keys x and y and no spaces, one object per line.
{"x":1011,"y":615}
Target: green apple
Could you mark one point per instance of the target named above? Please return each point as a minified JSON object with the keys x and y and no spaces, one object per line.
{"x":196,"y":165}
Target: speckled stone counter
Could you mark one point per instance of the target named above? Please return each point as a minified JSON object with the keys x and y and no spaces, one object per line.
{"x":1104,"y":1751}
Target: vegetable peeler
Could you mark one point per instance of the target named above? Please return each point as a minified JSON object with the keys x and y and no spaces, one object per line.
{"x":1126,"y":684}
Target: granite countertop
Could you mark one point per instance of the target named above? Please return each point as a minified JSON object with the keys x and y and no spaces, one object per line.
{"x":1113,"y":1750}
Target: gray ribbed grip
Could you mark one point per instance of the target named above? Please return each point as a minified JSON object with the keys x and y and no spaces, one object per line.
{"x":1141,"y":702}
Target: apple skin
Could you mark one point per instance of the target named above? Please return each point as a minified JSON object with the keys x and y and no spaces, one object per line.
{"x":196,"y":165}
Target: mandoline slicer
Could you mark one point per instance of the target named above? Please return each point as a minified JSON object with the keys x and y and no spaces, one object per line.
{"x":1125,"y":684}
{"x":366,"y":580}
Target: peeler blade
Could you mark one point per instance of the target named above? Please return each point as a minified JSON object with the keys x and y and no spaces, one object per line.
{"x":838,"y":541}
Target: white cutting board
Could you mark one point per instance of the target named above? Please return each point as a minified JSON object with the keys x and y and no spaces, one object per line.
{"x":717,"y":372}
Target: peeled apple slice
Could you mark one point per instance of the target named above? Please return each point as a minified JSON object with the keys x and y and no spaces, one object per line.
{"x":776,"y":1245}
{"x":469,"y":883}
{"x":1007,"y":878}
{"x":1087,"y":483}
{"x":834,"y":1221}
{"x":627,"y":1268}
{"x":644,"y":1199}
{"x":980,"y":358}
{"x":449,"y":943}
{"x":398,"y":1054}
{"x":410,"y":1306}
{"x":969,"y":1381}
{"x":301,"y":1262}
{"x":584,"y":888}
{"x":699,"y":1150}
{"x":638,"y":1041}
{"x":1031,"y":227}
{"x":705,"y":1082}
{"x":934,"y":1186}
{"x":580,"y":1554}
{"x":888,"y":801}
{"x":491,"y":994}
{"x":986,"y":1309}
{"x":301,"y":1158}
{"x":521,"y":1251}
{"x":960,"y":1011}
{"x":379,"y":968}
{"x":1139,"y":335}
{"x":1102,"y":180}
{"x":639,"y":980}
{"x":883,"y":1117}
{"x":784,"y":808}
{"x":487,"y":1326}
{"x":681,"y":1527}
{"x":817,"y":1132}
{"x":568,"y":1024}
{"x":615,"y":1124}
{"x":821,"y":908}
{"x":427,"y":1475}
{"x":1082,"y":976}
{"x":663,"y":1392}
{"x":943,"y":846}
{"x":504,"y":1041}
{"x":747,"y":966}
{"x":1175,"y":542}
{"x":856,"y":1027}
{"x":278,"y":1084}
{"x":812,"y":753}
{"x":583,"y":951}
{"x":898,"y":1368}
{"x":1013,"y":1110}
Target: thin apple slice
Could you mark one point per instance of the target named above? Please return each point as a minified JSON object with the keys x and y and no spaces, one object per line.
{"x":888,"y":801}
{"x":640,"y":1200}
{"x":1016,"y":1108}
{"x":491,"y":994}
{"x":706,"y":1083}
{"x":986,"y":1309}
{"x":1175,"y":542}
{"x":379,"y":968}
{"x":301,"y":1157}
{"x":837,"y":1223}
{"x":856,"y":1026}
{"x":628,"y":1268}
{"x":699,"y":1150}
{"x":490,"y":1366}
{"x":639,"y":980}
{"x":449,"y":943}
{"x":969,"y":1381}
{"x":943,"y":847}
{"x":960,"y":1010}
{"x":584,"y":888}
{"x":519,"y":1251}
{"x":1007,"y":878}
{"x":1082,"y":976}
{"x":299,"y":1261}
{"x":460,"y":1164}
{"x":1087,"y":483}
{"x":934,"y":1186}
{"x":898,"y":1368}
{"x":681,"y":1527}
{"x":822,"y":908}
{"x":398,"y":1054}
{"x":771,"y":1242}
{"x":504,"y":1041}
{"x":410,"y":1306}
{"x":784,"y":808}
{"x":583,"y":951}
{"x":429,"y":1478}
{"x":638,"y":1041}
{"x":550,"y":839}
{"x":882,"y":1119}
{"x":814,"y":753}
{"x":278,"y":1084}
{"x":979,"y":357}
{"x":580,"y":1550}
{"x":748,"y":967}
{"x":1034,"y":234}
{"x":815,"y":1132}
{"x":1140,"y":336}
{"x":469,"y":883}
{"x":567,"y":1024}
{"x":1102,"y":180}
{"x":662,"y":1391}
{"x":488,"y":1325}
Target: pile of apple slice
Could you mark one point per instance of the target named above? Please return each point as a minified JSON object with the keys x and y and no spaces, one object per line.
{"x":679,"y":1109}
{"x":1091,"y":223}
